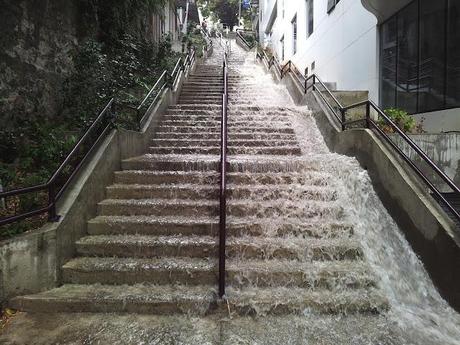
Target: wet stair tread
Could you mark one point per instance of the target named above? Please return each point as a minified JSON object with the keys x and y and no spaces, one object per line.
{"x":144,"y":246}
{"x":140,"y":298}
{"x":201,"y":225}
{"x":259,"y":301}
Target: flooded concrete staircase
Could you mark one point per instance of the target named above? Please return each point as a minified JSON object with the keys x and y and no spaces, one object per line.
{"x":153,"y":246}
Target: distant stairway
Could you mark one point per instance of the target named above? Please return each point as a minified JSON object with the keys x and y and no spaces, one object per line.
{"x":153,"y":246}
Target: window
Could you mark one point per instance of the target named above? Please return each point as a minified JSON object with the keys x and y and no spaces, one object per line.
{"x":309,"y":9}
{"x":282,"y":49}
{"x":331,"y":5}
{"x":420,"y":57}
{"x":294,"y":35}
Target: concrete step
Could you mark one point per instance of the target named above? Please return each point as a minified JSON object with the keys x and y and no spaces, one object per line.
{"x":284,"y":209}
{"x":319,"y":275}
{"x":131,"y":271}
{"x":200,"y":300}
{"x":211,"y":192}
{"x":141,"y":299}
{"x":205,"y":163}
{"x":309,"y":178}
{"x":140,"y":191}
{"x":231,"y":150}
{"x":216,"y":143}
{"x":158,"y":207}
{"x":279,"y":301}
{"x":143,"y":177}
{"x":159,"y":226}
{"x":190,"y":92}
{"x":142,"y":246}
{"x":208,"y":226}
{"x":209,"y":117}
{"x":232,"y":136}
{"x":216,"y":123}
{"x":217,"y":129}
{"x":197,"y":100}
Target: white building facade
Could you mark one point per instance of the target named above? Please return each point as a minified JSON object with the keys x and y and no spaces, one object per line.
{"x":404,"y":53}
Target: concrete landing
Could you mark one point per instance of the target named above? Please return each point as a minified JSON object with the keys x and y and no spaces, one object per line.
{"x":88,"y":329}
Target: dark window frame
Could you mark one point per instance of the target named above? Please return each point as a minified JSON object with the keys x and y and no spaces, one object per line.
{"x":295,"y":34}
{"x":310,"y":17}
{"x":447,"y":39}
{"x":331,"y":4}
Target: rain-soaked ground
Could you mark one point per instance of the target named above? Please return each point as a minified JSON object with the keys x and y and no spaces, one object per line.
{"x":50,"y":329}
{"x":417,"y":314}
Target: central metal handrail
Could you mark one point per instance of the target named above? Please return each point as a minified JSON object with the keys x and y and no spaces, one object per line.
{"x":223,"y":179}
{"x":339,"y":111}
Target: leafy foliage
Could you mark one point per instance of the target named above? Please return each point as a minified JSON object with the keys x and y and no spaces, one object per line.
{"x":225,"y":10}
{"x":32,"y":149}
{"x":402,"y":119}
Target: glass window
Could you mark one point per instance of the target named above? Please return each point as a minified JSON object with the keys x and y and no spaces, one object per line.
{"x":407,"y":68}
{"x":453,"y":54}
{"x":388,"y":54}
{"x":420,"y":57}
{"x":309,"y":8}
{"x":432,"y":55}
{"x":294,"y":35}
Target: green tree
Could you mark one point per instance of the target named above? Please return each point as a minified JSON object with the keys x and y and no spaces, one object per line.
{"x":225,"y":10}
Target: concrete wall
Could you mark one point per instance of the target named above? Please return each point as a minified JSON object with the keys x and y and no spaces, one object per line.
{"x":443,"y":149}
{"x":440,"y":121}
{"x":343,"y":45}
{"x":37,"y":38}
{"x":37,"y":42}
{"x":31,"y":262}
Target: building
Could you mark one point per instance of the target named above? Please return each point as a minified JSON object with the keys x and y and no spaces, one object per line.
{"x":405,"y":53}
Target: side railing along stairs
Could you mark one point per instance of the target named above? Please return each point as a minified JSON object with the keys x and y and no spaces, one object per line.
{"x":91,"y":138}
{"x":376,"y":120}
{"x":242,"y":41}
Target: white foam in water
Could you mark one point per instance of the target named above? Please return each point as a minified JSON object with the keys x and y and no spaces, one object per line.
{"x":416,"y":307}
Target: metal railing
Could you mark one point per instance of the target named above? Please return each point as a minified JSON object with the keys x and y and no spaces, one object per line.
{"x":58,"y":183}
{"x":375,"y":122}
{"x":241,"y":39}
{"x":96,"y":132}
{"x":223,"y":179}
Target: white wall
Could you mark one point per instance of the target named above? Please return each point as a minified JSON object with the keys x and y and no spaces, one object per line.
{"x":344,"y":43}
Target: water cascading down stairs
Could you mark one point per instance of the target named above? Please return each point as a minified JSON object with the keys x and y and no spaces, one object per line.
{"x":153,"y":247}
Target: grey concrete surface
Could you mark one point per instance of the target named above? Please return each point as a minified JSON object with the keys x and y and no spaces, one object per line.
{"x":32,"y":262}
{"x":88,"y":329}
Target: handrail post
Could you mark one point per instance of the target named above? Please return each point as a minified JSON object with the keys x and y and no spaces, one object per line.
{"x":343,"y":117}
{"x":314,"y":82}
{"x":368,"y":115}
{"x":52,"y":213}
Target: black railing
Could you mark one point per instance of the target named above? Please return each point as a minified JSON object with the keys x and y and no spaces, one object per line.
{"x":376,"y":123}
{"x":223,"y":180}
{"x":100,"y":127}
{"x":242,"y":40}
{"x":71,"y":165}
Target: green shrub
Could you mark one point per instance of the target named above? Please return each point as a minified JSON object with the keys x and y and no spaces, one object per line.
{"x":401,"y":118}
{"x":31,"y":149}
